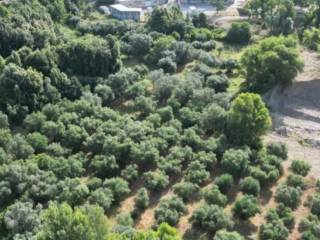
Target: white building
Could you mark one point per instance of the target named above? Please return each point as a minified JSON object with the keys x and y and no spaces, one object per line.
{"x":122,"y":12}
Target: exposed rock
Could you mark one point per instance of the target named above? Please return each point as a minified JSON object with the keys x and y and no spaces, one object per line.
{"x":284,"y":131}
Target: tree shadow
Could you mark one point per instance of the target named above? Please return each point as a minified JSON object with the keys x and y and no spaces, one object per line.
{"x":245,"y":228}
{"x":265,"y":196}
{"x":196,"y":233}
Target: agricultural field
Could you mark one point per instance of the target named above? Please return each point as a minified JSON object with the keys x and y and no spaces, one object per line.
{"x":178,"y":127}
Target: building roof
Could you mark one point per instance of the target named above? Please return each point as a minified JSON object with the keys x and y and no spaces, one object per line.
{"x":123,"y":8}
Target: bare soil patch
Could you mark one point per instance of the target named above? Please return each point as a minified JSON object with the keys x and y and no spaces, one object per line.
{"x":297,"y":111}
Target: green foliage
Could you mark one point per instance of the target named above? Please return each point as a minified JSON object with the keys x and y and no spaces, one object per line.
{"x":289,"y":196}
{"x":213,"y":118}
{"x":273,"y":62}
{"x":170,"y":210}
{"x":311,"y":39}
{"x":125,"y":219}
{"x":250,"y":185}
{"x":186,"y":190}
{"x":239,"y":33}
{"x":296,"y":181}
{"x":142,"y":199}
{"x":156,"y":180}
{"x":211,"y":218}
{"x":300,"y":167}
{"x":235,"y":161}
{"x":248,"y":119}
{"x":118,"y":186}
{"x":167,"y":20}
{"x":196,"y":173}
{"x":212,"y":195}
{"x":90,"y":56}
{"x":224,"y":182}
{"x":315,"y":205}
{"x":225,"y":235}
{"x":274,"y":230}
{"x":62,"y":222}
{"x":278,"y":149}
{"x":246,"y":207}
{"x":23,"y":91}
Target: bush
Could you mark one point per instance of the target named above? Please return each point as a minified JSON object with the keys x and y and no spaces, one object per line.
{"x":224,"y":182}
{"x":196,"y":173}
{"x":296,"y":181}
{"x":315,"y":205}
{"x":186,"y":190}
{"x":275,"y":230}
{"x":211,"y":218}
{"x":168,"y":65}
{"x":142,"y":199}
{"x":250,"y":185}
{"x":239,"y":33}
{"x":289,"y":196}
{"x":125,"y":219}
{"x":156,"y":181}
{"x":300,"y":167}
{"x":212,"y":195}
{"x":219,"y":83}
{"x":213,"y":118}
{"x":170,"y":210}
{"x":278,"y":149}
{"x":246,"y":207}
{"x":311,"y":39}
{"x":225,"y":235}
{"x":235,"y":161}
{"x":119,"y":186}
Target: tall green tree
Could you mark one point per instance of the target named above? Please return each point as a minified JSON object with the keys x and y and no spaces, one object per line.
{"x":248,"y":119}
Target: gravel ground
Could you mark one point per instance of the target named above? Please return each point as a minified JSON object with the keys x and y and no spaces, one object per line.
{"x":296,"y":113}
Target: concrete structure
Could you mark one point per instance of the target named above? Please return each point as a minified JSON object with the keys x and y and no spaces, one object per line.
{"x":122,"y":12}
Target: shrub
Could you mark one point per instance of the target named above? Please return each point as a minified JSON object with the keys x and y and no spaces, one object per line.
{"x":156,"y":180}
{"x":235,"y":161}
{"x":250,"y":185}
{"x":246,"y":207}
{"x":196,"y":173}
{"x":213,"y":118}
{"x":300,"y":167}
{"x":239,"y":33}
{"x":278,"y":149}
{"x":212,"y":195}
{"x":311,"y":39}
{"x":103,"y":197}
{"x":211,"y":218}
{"x":225,"y":235}
{"x":119,"y":186}
{"x":315,"y":205}
{"x":142,"y":199}
{"x":224,"y":182}
{"x":186,"y":190}
{"x":125,"y":219}
{"x":296,"y":181}
{"x":275,"y":230}
{"x":170,"y":210}
{"x":219,"y":83}
{"x":289,"y":196}
{"x":167,"y":64}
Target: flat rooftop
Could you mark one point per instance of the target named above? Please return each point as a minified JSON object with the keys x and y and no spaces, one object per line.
{"x":123,"y":8}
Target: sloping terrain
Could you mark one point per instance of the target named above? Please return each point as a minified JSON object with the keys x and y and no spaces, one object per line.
{"x":296,"y":113}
